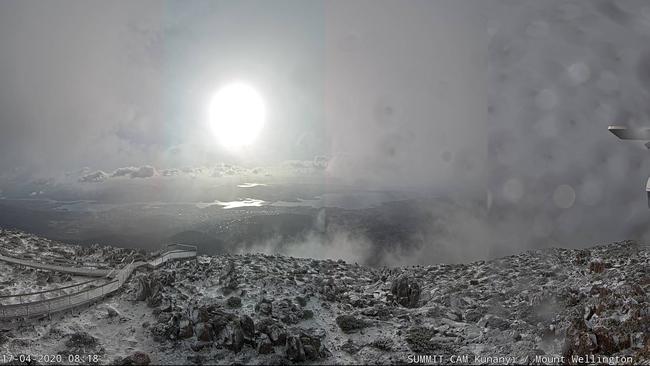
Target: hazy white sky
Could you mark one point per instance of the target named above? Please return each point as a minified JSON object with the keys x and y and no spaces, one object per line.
{"x":509,"y":97}
{"x":386,"y":89}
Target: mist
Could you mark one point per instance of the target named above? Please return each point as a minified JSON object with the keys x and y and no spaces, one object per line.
{"x":497,"y":109}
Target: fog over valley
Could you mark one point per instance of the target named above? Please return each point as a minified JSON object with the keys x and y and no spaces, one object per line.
{"x":483,"y":135}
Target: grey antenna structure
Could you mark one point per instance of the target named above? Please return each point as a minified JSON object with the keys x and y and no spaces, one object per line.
{"x":642,"y":134}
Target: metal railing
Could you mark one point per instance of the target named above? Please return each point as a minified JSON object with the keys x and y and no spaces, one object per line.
{"x":29,"y":294}
{"x":186,"y":247}
{"x":82,"y":271}
{"x":90,"y":293}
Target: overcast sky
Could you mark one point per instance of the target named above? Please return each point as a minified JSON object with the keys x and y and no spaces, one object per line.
{"x":512,"y":97}
{"x":382,"y":89}
{"x":559,"y":73}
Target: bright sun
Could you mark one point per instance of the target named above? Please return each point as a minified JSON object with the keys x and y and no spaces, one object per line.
{"x":237,"y":115}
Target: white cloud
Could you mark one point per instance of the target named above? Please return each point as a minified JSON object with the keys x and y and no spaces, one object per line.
{"x":146,"y":171}
{"x":95,"y":177}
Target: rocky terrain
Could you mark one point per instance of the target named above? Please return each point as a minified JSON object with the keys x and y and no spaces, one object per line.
{"x":537,"y":307}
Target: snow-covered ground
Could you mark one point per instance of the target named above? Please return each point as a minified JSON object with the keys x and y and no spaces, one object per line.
{"x":257,"y":308}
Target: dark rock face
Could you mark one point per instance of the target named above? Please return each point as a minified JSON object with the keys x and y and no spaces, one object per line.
{"x":597,"y":266}
{"x":137,"y":358}
{"x":234,"y":302}
{"x":144,"y":289}
{"x":350,"y":324}
{"x":229,"y":278}
{"x":287,"y":311}
{"x":494,"y":322}
{"x":534,"y":303}
{"x":274,"y":330}
{"x":248,"y":328}
{"x":264,"y":344}
{"x":80,"y":340}
{"x":164,"y":331}
{"x":185,"y":329}
{"x":578,"y":340}
{"x":111,"y":312}
{"x":203,"y":331}
{"x":312,"y":345}
{"x":600,"y":331}
{"x":350,"y":347}
{"x":264,"y":307}
{"x":406,"y":291}
{"x":234,"y":336}
{"x":294,"y":349}
{"x":380,"y":311}
{"x":419,"y":339}
{"x":199,"y":345}
{"x":301,"y":301}
{"x":81,"y":343}
{"x":149,"y":290}
{"x":384,"y":344}
{"x":220,"y":320}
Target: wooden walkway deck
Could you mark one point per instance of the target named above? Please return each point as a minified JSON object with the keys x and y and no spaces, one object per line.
{"x":21,"y":307}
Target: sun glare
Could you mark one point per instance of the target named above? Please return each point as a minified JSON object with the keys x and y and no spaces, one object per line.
{"x":237,"y":115}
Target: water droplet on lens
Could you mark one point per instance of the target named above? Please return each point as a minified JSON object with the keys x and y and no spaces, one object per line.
{"x":513,"y":190}
{"x":579,"y":72}
{"x":564,"y":196}
{"x":546,"y":99}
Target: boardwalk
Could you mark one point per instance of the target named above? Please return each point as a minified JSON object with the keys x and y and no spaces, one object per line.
{"x":25,"y":308}
{"x":79,"y":271}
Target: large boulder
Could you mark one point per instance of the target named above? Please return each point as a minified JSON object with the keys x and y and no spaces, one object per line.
{"x":185,"y":329}
{"x":229,"y":278}
{"x":137,"y":358}
{"x":420,"y":340}
{"x":248,"y":328}
{"x":203,"y":332}
{"x":234,"y":302}
{"x":264,"y":307}
{"x":111,"y":312}
{"x":274,"y":330}
{"x":350,"y":324}
{"x":149,"y":290}
{"x":233,"y":336}
{"x":144,"y":289}
{"x":81,"y":343}
{"x":312,"y":345}
{"x":165,"y":330}
{"x":81,"y":340}
{"x":220,"y":319}
{"x":294,"y":349}
{"x":579,"y":340}
{"x":264,"y":344}
{"x":287,"y":311}
{"x":406,"y":291}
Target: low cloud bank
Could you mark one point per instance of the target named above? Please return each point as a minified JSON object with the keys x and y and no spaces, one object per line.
{"x":146,"y":171}
{"x":94,"y":177}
